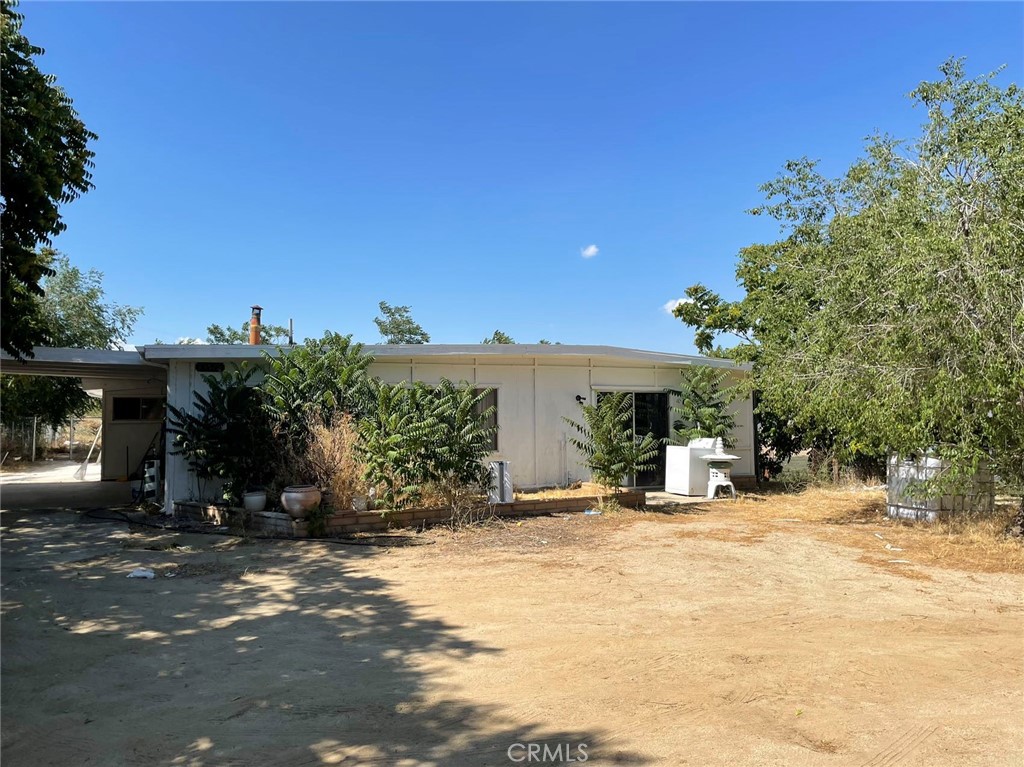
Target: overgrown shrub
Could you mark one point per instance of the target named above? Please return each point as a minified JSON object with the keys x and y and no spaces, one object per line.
{"x":305,"y":387}
{"x":420,"y":436}
{"x":607,"y":443}
{"x":310,"y":383}
{"x":229,"y":437}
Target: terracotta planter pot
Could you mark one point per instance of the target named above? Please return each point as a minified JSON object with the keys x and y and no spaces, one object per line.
{"x":299,"y":500}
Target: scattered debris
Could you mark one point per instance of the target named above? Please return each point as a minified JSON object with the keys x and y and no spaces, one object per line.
{"x":142,"y":572}
{"x":900,"y":562}
{"x":890,"y":547}
{"x":592,"y":513}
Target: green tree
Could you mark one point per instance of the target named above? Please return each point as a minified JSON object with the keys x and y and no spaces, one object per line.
{"x":499,"y":338}
{"x":702,"y":405}
{"x":397,"y":326}
{"x":46,"y":163}
{"x":890,"y":316}
{"x":75,"y":315}
{"x":607,"y":443}
{"x":269,"y":334}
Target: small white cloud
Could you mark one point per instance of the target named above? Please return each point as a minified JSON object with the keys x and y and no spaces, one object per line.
{"x":670,"y":306}
{"x":189,"y":341}
{"x":590,"y":251}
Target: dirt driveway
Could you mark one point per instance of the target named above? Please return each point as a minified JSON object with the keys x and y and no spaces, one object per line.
{"x":645,"y":639}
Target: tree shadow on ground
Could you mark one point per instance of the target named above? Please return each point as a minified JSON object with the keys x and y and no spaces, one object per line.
{"x":239,"y":653}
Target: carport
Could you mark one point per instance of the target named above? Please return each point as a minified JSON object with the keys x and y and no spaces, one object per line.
{"x":52,"y":487}
{"x":133,"y":394}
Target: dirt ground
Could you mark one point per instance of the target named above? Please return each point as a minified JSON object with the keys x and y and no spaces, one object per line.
{"x":712,"y":634}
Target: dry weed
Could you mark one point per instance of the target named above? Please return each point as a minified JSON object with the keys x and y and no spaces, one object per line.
{"x":331,"y":452}
{"x":857,"y":517}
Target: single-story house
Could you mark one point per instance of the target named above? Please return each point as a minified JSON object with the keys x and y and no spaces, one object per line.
{"x":536,"y":385}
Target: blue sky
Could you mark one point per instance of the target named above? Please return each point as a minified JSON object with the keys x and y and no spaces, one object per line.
{"x":316,"y":158}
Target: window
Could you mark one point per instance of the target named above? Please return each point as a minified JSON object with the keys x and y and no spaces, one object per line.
{"x":138,"y":409}
{"x":491,"y":400}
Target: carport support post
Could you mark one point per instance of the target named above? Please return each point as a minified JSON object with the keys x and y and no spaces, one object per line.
{"x":71,"y":440}
{"x":35,"y":428}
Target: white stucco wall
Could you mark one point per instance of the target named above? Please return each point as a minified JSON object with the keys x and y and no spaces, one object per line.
{"x":534,"y":394}
{"x":182,"y":382}
{"x":125,"y":442}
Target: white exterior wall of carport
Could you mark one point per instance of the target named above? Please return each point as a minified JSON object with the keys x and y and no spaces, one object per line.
{"x":534,"y":394}
{"x":124,"y":442}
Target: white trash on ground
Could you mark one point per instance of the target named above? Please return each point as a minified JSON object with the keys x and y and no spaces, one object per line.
{"x":142,"y":572}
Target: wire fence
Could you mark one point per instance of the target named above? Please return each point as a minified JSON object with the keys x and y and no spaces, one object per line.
{"x":29,"y":440}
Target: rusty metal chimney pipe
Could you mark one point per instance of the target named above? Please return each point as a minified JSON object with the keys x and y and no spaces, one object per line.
{"x":254,"y":325}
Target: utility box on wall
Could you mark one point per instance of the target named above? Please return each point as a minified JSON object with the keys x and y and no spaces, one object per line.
{"x":685,"y":472}
{"x":501,"y":489}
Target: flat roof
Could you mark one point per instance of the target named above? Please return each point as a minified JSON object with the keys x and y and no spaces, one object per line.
{"x":218,"y":352}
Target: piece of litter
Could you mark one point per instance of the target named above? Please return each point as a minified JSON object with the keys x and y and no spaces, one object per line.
{"x":592,"y":513}
{"x":142,"y":572}
{"x":900,"y":562}
{"x":879,"y":537}
{"x":890,"y":547}
{"x":544,"y":542}
{"x":169,"y":575}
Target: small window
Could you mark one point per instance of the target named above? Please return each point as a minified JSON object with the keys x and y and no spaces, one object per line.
{"x":138,"y":409}
{"x":491,"y":400}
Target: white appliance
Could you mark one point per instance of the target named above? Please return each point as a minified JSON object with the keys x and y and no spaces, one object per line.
{"x":501,"y":490}
{"x":685,"y":472}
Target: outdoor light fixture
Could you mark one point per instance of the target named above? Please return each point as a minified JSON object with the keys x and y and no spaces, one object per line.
{"x":580,"y":399}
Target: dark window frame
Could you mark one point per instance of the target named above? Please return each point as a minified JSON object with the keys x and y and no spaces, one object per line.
{"x":146,"y":409}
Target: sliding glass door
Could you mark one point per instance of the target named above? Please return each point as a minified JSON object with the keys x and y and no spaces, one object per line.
{"x":650,"y":416}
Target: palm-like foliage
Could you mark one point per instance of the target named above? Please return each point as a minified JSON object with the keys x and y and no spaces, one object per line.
{"x":312,"y":382}
{"x":607,"y":442}
{"x":420,"y":435}
{"x":702,"y":405}
{"x":392,"y":435}
{"x":228,"y":437}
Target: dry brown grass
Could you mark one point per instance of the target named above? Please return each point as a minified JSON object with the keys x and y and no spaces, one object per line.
{"x":856,"y":517}
{"x":583,"y":489}
{"x":332,"y":456}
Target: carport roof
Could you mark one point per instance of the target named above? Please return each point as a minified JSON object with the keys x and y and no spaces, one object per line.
{"x":84,"y":363}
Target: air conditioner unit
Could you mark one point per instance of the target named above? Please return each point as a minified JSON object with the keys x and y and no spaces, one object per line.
{"x":500,"y":490}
